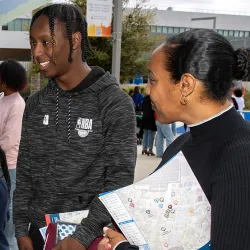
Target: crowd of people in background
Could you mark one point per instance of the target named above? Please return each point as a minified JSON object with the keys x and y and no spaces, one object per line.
{"x":150,"y":136}
{"x":150,"y":131}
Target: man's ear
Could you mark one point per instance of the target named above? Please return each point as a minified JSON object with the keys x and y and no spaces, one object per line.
{"x":77,"y":40}
{"x":187,"y":84}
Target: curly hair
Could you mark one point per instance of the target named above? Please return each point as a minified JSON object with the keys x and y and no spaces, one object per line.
{"x":13,"y":75}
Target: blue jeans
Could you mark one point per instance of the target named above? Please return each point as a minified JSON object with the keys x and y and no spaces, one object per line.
{"x":148,"y":139}
{"x":173,"y":126}
{"x":163,"y":130}
{"x":10,"y":228}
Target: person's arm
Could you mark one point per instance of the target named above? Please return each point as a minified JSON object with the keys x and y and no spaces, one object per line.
{"x":230,"y":189}
{"x":12,"y":131}
{"x":23,"y":192}
{"x":119,"y":126}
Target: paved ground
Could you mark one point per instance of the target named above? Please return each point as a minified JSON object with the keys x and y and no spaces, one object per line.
{"x":145,"y":165}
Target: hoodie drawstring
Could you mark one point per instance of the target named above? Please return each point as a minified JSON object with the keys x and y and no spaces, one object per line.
{"x":69,"y":113}
{"x":57,"y":108}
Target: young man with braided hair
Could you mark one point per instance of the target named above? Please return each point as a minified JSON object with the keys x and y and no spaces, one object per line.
{"x":78,"y":136}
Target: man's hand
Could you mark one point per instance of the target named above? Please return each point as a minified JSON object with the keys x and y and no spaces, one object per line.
{"x":25,"y":243}
{"x":111,"y":240}
{"x":69,"y":243}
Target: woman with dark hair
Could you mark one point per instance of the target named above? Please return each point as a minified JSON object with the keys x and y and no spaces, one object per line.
{"x":12,"y":80}
{"x":4,"y":194}
{"x":190,"y":78}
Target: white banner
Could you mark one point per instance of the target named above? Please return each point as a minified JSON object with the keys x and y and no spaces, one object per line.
{"x":99,"y":17}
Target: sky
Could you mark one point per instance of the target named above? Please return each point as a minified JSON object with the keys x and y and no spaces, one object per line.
{"x":219,"y":5}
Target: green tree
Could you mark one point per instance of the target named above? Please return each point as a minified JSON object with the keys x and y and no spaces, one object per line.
{"x":136,"y":41}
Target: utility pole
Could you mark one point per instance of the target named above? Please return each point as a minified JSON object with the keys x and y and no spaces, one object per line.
{"x":117,"y":40}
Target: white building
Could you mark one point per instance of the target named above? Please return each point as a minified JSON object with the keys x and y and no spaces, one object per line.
{"x":14,"y":39}
{"x":235,"y":28}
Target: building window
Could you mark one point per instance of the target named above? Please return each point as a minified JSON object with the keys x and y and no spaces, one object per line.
{"x":153,"y":28}
{"x":225,"y":33}
{"x":25,"y":24}
{"x":231,"y":33}
{"x":170,"y":30}
{"x":176,"y":30}
{"x":236,"y":33}
{"x":11,"y":25}
{"x":241,"y":33}
{"x":182,"y":30}
{"x":159,"y":29}
{"x":246,"y":33}
{"x":19,"y":24}
{"x":165,"y":30}
{"x":5,"y":27}
{"x":220,"y":32}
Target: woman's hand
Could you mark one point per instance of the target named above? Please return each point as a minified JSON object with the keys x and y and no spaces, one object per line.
{"x":111,"y":239}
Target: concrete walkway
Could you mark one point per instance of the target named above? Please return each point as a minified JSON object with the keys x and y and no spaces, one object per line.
{"x":145,"y":165}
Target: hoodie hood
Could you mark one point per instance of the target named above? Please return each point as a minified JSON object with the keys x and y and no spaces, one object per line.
{"x":95,"y":81}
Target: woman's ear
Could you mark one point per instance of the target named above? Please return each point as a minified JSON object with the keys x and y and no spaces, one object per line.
{"x":187,"y":84}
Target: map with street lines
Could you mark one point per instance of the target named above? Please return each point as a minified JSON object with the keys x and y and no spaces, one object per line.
{"x":167,"y":210}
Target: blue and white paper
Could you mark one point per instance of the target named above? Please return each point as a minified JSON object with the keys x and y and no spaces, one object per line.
{"x":167,"y":210}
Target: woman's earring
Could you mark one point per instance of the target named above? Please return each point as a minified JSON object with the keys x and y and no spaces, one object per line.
{"x":183,"y":100}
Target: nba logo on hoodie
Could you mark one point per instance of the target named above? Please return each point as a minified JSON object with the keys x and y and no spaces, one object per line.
{"x":84,"y":126}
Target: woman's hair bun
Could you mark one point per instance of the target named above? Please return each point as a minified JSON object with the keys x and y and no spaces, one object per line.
{"x":242,"y":69}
